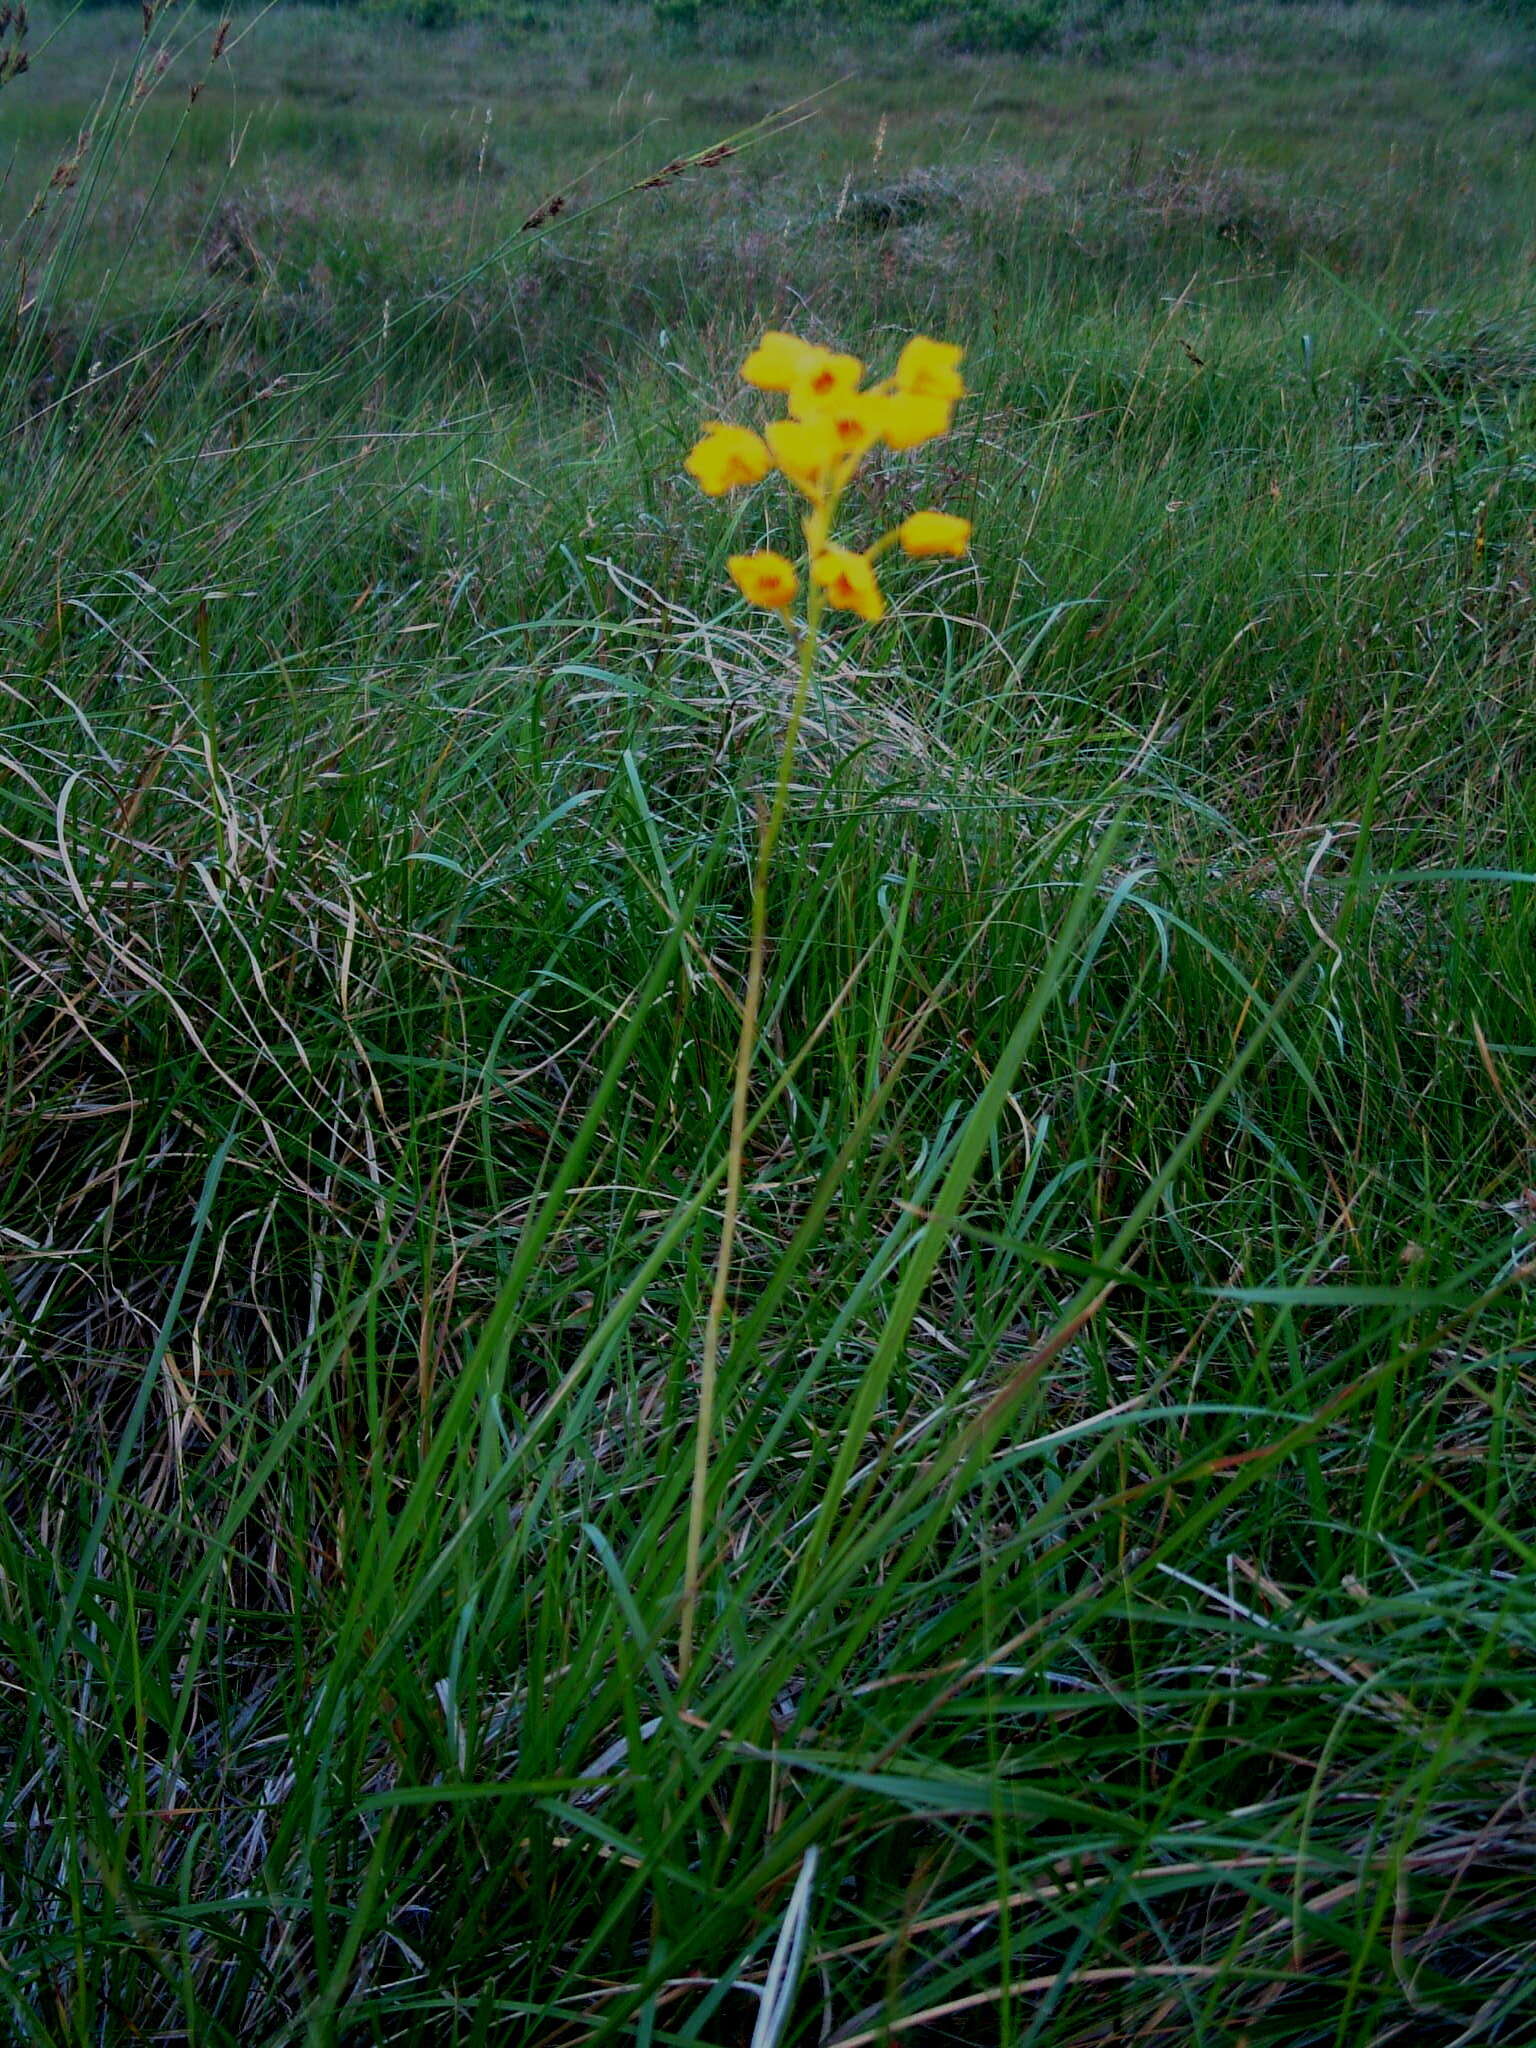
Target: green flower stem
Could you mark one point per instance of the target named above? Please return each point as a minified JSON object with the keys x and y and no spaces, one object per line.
{"x":746,"y":1047}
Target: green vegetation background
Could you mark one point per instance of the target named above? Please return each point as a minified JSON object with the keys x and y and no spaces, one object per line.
{"x":1120,"y":1621}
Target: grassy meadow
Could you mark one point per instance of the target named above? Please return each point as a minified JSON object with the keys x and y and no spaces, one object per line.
{"x":1117,"y":1619}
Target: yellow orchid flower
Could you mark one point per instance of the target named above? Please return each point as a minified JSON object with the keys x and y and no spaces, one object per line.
{"x":726,"y":458}
{"x":934,"y":533}
{"x":856,"y":419}
{"x":849,"y":582}
{"x":766,"y":579}
{"x":806,"y":450}
{"x":831,"y":425}
{"x":825,"y":378}
{"x":930,"y":369}
{"x":779,"y":360}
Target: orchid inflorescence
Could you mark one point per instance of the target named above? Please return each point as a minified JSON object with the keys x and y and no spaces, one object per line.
{"x":831,"y":426}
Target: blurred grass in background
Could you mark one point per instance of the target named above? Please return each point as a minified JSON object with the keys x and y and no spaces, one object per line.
{"x":1122,"y":1575}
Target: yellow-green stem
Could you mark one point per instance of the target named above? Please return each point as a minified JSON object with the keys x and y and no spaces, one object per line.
{"x":746,"y":1047}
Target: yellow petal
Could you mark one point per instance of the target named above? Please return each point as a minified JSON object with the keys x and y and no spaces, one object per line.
{"x":726,"y":458}
{"x":806,"y":451}
{"x":766,"y":579}
{"x":855,"y":419}
{"x":935,"y":533}
{"x":823,"y":379}
{"x":778,"y":360}
{"x":849,"y":582}
{"x":910,"y":421}
{"x":930,"y":369}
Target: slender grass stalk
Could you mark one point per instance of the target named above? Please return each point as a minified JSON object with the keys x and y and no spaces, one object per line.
{"x":209,"y":720}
